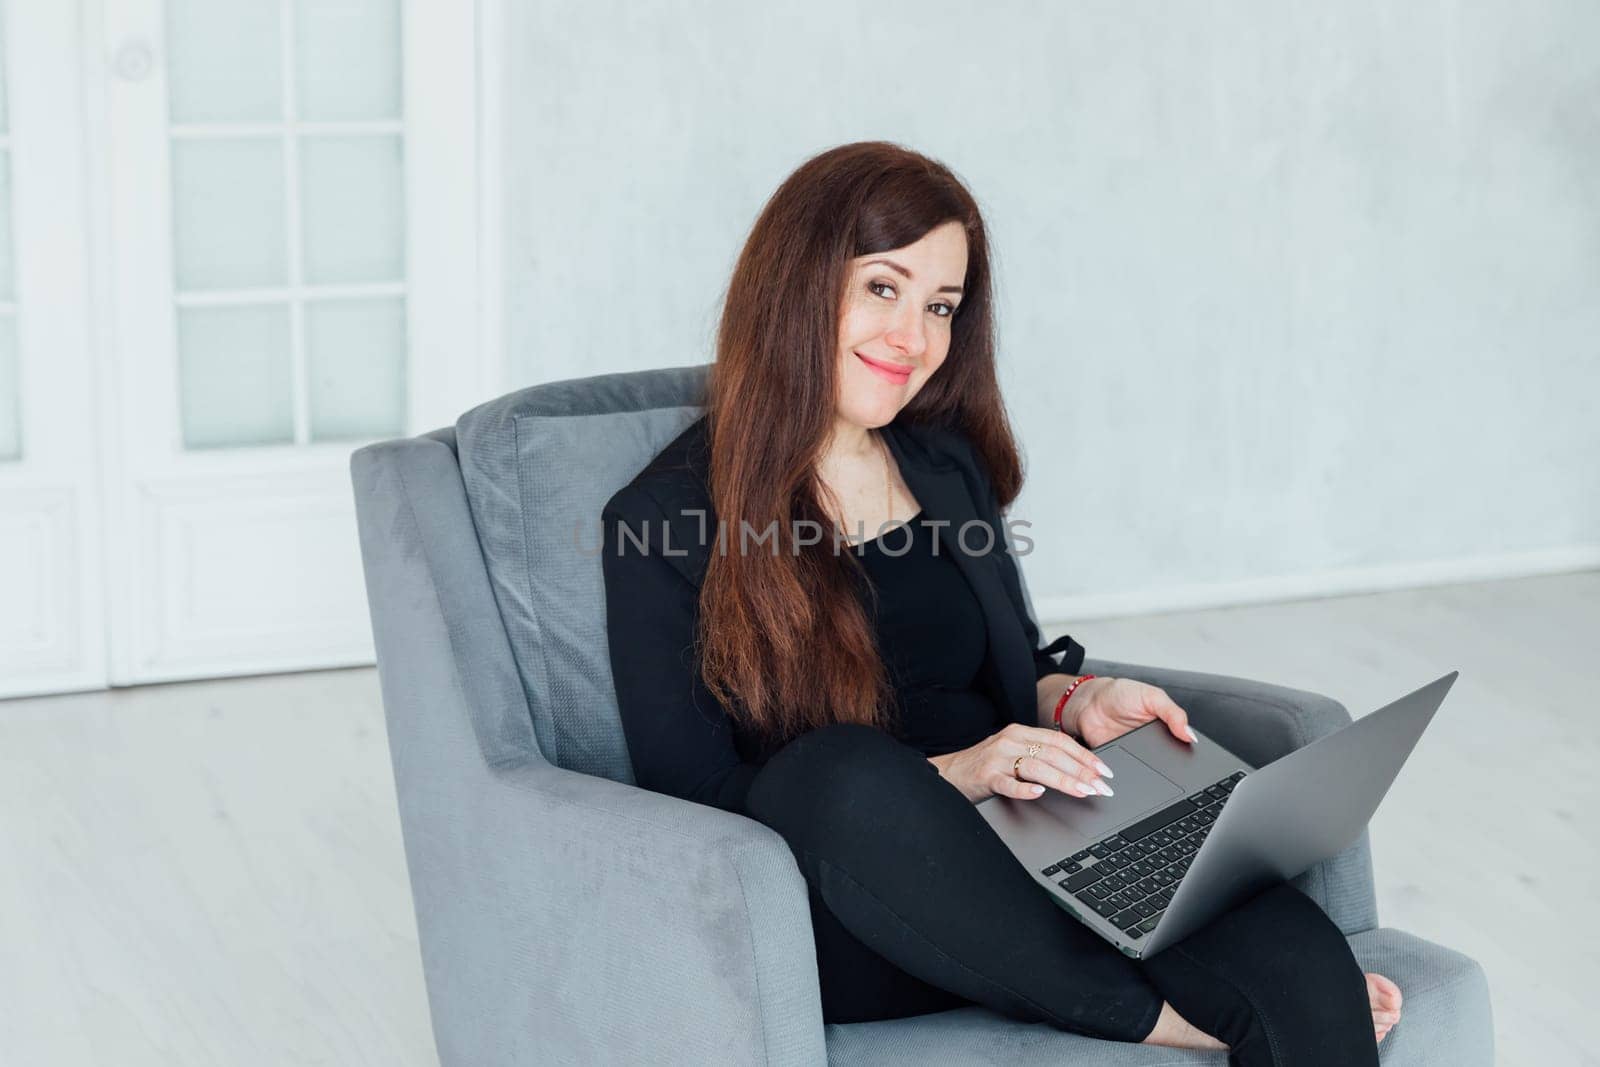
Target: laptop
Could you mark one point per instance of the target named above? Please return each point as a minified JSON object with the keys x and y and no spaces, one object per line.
{"x":1193,"y":830}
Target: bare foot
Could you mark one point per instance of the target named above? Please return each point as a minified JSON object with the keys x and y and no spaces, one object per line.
{"x":1384,"y":996}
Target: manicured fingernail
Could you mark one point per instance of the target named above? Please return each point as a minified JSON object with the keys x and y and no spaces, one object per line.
{"x":1036,"y":790}
{"x":1103,"y":788}
{"x":1104,"y":769}
{"x":1190,"y":731}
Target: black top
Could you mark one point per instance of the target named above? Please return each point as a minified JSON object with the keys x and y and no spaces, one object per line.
{"x":660,"y":534}
{"x":932,"y":637}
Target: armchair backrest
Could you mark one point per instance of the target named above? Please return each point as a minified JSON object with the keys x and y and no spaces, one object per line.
{"x":501,"y":513}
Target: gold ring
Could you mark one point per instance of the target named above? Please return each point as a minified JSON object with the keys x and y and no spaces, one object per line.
{"x":1015,"y":766}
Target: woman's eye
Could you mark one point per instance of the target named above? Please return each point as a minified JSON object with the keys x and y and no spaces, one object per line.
{"x":949,"y":309}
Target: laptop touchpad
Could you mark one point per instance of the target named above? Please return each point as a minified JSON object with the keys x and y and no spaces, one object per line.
{"x":1138,"y":788}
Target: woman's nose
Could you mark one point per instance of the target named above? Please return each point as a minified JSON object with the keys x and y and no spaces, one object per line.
{"x":908,"y":337}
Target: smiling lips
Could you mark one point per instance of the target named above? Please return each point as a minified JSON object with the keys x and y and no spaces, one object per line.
{"x":893,"y":372}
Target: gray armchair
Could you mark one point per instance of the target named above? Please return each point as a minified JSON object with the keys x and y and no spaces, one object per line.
{"x":566,"y":915}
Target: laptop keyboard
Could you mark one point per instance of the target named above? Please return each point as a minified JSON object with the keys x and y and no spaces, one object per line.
{"x":1130,"y":876}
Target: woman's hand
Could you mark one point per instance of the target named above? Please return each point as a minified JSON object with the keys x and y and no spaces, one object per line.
{"x":1112,"y":706}
{"x":1061,"y":763}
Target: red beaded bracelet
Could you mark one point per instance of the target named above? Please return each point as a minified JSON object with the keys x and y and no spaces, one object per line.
{"x":1062,"y":703}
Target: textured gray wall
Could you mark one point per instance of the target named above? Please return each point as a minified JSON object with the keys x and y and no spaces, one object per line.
{"x":1284,"y":287}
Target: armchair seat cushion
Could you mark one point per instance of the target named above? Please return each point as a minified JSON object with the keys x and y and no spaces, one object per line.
{"x":1445,"y":1022}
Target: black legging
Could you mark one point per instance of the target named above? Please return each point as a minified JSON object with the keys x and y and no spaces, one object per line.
{"x":918,"y":907}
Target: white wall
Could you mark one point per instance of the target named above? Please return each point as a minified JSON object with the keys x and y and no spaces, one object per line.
{"x":1294,"y":297}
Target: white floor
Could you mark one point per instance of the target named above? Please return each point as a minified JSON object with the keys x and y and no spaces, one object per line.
{"x":212,"y":873}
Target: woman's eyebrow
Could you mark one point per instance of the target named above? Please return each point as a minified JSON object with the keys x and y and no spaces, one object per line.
{"x":907,"y":274}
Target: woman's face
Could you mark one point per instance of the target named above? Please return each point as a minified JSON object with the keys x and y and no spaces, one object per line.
{"x":894,"y":327}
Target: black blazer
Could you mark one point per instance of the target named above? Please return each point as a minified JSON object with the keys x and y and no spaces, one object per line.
{"x":680,"y":738}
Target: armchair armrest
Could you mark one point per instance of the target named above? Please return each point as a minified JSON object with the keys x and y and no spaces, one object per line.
{"x":570,"y":918}
{"x":1259,"y":722}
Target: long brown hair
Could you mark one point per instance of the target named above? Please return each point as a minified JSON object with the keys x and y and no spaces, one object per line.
{"x":784,"y":639}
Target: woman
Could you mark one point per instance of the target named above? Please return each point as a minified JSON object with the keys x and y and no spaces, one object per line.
{"x":860,"y":695}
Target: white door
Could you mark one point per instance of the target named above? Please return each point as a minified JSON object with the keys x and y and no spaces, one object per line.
{"x":285,"y":206}
{"x":51,"y":594}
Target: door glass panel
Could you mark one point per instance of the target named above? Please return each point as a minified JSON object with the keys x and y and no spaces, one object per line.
{"x":5,"y":95}
{"x":10,"y":377}
{"x":10,"y":394}
{"x":356,"y":368}
{"x":234,"y":366}
{"x":223,"y":60}
{"x":279,"y":353}
{"x":352,"y":209}
{"x":228,"y":213}
{"x":347,"y":59}
{"x":8,"y":276}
